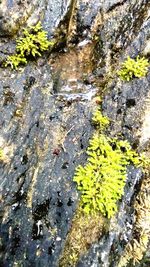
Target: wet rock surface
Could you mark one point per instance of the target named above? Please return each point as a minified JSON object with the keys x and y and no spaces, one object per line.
{"x":45,"y":122}
{"x":38,"y":196}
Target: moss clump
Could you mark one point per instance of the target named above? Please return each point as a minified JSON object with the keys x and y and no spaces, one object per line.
{"x":99,"y":120}
{"x":15,"y":60}
{"x":102,"y":180}
{"x":133,"y":68}
{"x":33,"y":42}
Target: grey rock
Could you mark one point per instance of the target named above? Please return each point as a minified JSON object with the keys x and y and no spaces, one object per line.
{"x":45,"y":122}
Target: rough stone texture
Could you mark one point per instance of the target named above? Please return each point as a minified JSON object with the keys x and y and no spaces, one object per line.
{"x":43,"y":145}
{"x":45,"y":114}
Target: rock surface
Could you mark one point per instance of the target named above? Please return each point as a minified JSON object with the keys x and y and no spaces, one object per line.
{"x":45,"y":121}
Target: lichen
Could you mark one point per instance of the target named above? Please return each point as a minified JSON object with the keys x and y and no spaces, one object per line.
{"x":134,"y":68}
{"x":32,"y":43}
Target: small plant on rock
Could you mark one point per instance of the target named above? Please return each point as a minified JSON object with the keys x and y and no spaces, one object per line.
{"x":99,"y":120}
{"x":133,"y":68}
{"x":15,"y":60}
{"x":102,"y":180}
{"x":33,"y":42}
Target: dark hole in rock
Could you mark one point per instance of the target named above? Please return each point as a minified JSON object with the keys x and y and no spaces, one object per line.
{"x":53,"y":116}
{"x":135,"y":144}
{"x":81,"y":145}
{"x":113,"y":145}
{"x":24,"y":160}
{"x":115,"y":97}
{"x":51,"y":249}
{"x":69,"y":103}
{"x":128,"y":127}
{"x":59,"y":214}
{"x":123,"y":149}
{"x":119,"y":111}
{"x":58,"y":221}
{"x":130,"y":103}
{"x":15,"y":168}
{"x":60,"y":107}
{"x":25,"y":87}
{"x":19,"y":196}
{"x":86,"y":81}
{"x":31,"y":80}
{"x":37,"y":124}
{"x":15,"y":243}
{"x":41,"y":210}
{"x":70,"y":202}
{"x":59,"y":203}
{"x":65,"y":165}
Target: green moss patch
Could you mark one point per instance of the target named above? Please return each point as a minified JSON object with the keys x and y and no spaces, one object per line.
{"x":134,"y":68}
{"x":101,"y":181}
{"x":101,"y":184}
{"x":32,"y":43}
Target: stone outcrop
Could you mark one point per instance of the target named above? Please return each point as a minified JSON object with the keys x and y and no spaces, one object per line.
{"x":45,"y":122}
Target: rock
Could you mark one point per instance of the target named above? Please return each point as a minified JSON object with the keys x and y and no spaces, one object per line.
{"x":13,"y":14}
{"x":38,"y":192}
{"x":45,"y":120}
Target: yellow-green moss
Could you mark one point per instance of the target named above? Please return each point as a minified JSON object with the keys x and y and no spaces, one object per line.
{"x":32,"y":43}
{"x":133,"y":68}
{"x":101,"y":181}
{"x":99,"y":120}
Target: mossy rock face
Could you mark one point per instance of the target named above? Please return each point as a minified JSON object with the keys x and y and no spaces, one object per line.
{"x":45,"y":124}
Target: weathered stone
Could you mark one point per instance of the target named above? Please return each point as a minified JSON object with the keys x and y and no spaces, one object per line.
{"x":45,"y":122}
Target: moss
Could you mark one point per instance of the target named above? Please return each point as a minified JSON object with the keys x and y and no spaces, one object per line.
{"x":101,"y":181}
{"x":99,"y":120}
{"x":32,"y":43}
{"x":134,"y":68}
{"x":15,"y":60}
